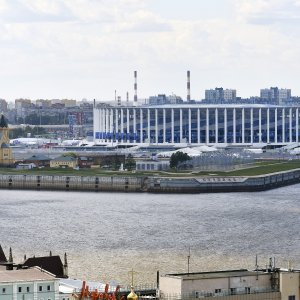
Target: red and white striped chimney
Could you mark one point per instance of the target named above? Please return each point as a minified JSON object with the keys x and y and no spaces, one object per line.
{"x":135,"y":89}
{"x":188,"y":85}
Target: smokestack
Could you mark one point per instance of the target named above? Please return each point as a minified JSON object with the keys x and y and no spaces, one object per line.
{"x":119,"y":101}
{"x":188,"y":98}
{"x":127,"y":98}
{"x":135,"y":88}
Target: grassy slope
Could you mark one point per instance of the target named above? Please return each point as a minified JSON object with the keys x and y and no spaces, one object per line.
{"x":258,"y":168}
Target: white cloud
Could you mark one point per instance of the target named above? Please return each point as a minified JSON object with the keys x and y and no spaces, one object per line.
{"x":72,"y":44}
{"x":268,"y":11}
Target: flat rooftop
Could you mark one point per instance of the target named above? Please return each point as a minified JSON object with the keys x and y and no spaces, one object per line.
{"x":216,"y":274}
{"x":32,"y":274}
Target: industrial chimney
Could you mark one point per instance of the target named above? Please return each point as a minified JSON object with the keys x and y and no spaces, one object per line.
{"x":188,"y":98}
{"x":135,"y":89}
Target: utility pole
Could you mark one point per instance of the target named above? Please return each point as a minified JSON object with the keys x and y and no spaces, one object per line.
{"x":189,"y":257}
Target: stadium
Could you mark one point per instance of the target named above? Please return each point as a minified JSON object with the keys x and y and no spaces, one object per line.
{"x":196,"y":124}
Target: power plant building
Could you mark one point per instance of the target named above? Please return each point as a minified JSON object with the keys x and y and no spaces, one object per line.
{"x":197,"y":124}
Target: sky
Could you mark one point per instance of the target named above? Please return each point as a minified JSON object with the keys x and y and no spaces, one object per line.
{"x":90,"y":48}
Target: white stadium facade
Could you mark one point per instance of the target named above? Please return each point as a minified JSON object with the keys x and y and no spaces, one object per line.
{"x":196,"y":124}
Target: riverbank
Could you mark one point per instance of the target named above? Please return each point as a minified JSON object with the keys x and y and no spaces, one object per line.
{"x":150,"y":184}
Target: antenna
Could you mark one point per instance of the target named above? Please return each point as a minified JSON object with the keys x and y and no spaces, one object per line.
{"x":256,"y":266}
{"x":189,"y":257}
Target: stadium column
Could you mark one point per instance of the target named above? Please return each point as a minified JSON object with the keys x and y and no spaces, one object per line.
{"x":290,"y":125}
{"x":259,"y":126}
{"x":122,"y":125}
{"x":283,"y":125}
{"x":107,"y":121}
{"x":297,"y":125}
{"x":198,"y":126}
{"x":172,"y":125}
{"x":225,"y":125}
{"x":207,"y":126}
{"x":268,"y":125}
{"x":156,"y":127}
{"x":111,"y":125}
{"x":251,"y":125}
{"x":102,"y":123}
{"x":243,"y":125}
{"x":134,"y":125}
{"x":216,"y":126}
{"x":276,"y":133}
{"x":180,"y":125}
{"x":116,"y":123}
{"x":190,"y":126}
{"x":234,"y":125}
{"x":164,"y":125}
{"x":141,"y":126}
{"x":128,"y":127}
{"x":149,"y":123}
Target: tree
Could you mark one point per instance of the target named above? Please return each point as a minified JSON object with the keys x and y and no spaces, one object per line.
{"x":72,"y":154}
{"x":177,"y":158}
{"x":23,"y":132}
{"x":130,"y":163}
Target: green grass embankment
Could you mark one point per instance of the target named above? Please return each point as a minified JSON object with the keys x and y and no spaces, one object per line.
{"x":257,"y":168}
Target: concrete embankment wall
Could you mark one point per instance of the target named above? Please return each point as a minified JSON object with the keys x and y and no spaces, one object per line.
{"x":222,"y":184}
{"x":72,"y":183}
{"x":150,"y":184}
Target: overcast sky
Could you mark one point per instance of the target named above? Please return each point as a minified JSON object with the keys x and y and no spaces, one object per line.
{"x":88,"y":48}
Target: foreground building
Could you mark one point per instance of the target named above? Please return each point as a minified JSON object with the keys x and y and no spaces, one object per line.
{"x":197,"y":124}
{"x":25,"y":284}
{"x":275,"y":284}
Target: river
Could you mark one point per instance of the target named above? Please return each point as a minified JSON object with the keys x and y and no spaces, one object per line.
{"x":107,"y":234}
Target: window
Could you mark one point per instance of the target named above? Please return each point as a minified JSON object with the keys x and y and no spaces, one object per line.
{"x":40,"y":288}
{"x":247,"y":290}
{"x":3,"y":290}
{"x":48,"y":287}
{"x":217,"y":291}
{"x":233,"y":291}
{"x":293,"y":297}
{"x":28,"y":290}
{"x":20,"y":289}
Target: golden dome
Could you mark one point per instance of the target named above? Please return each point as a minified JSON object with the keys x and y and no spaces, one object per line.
{"x":132,"y":295}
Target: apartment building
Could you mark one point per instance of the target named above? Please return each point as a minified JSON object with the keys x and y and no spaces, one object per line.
{"x":28,"y":284}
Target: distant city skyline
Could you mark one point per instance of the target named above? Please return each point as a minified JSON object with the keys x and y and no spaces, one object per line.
{"x":88,"y":49}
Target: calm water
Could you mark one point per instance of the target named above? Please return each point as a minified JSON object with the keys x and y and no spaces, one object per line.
{"x":107,"y":234}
